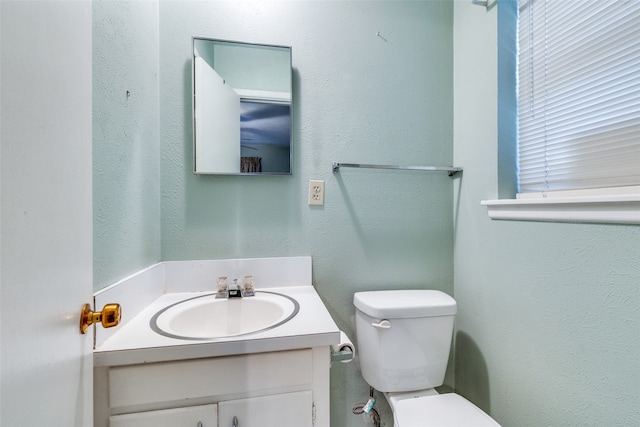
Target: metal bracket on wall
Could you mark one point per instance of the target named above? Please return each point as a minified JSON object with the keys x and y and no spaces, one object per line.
{"x":486,"y":3}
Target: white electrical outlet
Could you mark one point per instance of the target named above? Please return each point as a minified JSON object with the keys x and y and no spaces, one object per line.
{"x":316,"y":192}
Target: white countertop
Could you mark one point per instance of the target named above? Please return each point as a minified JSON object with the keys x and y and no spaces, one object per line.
{"x":137,"y":343}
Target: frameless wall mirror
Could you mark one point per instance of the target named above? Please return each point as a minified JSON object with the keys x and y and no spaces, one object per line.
{"x":242,"y":108}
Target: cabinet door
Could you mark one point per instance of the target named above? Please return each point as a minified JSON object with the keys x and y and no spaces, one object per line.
{"x":195,"y":416}
{"x":287,"y":409}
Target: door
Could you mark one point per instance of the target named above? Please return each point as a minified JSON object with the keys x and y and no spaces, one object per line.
{"x":45,"y":213}
{"x":217,"y":122}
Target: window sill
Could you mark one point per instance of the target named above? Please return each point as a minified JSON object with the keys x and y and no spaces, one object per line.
{"x":615,"y":209}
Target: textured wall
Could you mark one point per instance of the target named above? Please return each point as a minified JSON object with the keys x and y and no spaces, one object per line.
{"x":358,"y":98}
{"x":126,"y":150}
{"x":548,"y":330}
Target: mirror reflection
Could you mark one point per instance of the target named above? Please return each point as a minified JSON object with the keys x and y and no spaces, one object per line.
{"x":241,"y":108}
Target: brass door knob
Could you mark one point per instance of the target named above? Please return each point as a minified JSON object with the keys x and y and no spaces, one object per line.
{"x":108,"y":317}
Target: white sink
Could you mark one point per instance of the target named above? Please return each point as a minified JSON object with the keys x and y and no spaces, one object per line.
{"x":205,"y":317}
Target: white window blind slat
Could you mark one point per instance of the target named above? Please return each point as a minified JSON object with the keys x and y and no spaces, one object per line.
{"x":587,"y":147}
{"x":576,"y":124}
{"x":615,"y":129}
{"x":578,"y":94}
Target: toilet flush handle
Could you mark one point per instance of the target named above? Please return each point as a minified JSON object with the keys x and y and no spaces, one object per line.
{"x":383,"y":324}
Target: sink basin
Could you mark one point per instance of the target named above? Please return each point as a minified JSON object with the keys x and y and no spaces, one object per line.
{"x":205,"y":317}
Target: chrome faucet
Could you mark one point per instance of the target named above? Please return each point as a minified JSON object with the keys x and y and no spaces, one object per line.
{"x":235,"y":290}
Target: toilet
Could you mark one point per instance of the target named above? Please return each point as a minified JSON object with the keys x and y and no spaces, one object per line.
{"x":404,"y":337}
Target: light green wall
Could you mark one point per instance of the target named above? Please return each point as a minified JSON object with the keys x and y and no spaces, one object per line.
{"x":358,"y":98}
{"x":548,"y":324}
{"x":126,"y":150}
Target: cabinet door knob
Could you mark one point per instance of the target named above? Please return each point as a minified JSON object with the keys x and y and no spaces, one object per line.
{"x":235,"y":422}
{"x":108,"y":317}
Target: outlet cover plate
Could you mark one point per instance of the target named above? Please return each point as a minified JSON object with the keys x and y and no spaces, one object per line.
{"x":316,"y":192}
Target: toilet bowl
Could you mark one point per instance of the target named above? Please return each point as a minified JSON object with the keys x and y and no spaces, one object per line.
{"x":404,"y":338}
{"x":441,"y":410}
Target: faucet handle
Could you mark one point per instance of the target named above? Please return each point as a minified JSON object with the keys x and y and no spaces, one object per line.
{"x":223,"y":287}
{"x":223,"y":284}
{"x":248,"y":285}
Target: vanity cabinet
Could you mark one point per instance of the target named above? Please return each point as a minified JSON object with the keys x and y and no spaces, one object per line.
{"x":289,"y":409}
{"x":282,"y":388}
{"x":196,"y":416}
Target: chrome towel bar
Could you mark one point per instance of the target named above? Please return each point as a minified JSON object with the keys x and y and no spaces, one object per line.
{"x":451,"y":170}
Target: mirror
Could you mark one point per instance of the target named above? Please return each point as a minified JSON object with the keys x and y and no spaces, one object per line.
{"x":241,"y":108}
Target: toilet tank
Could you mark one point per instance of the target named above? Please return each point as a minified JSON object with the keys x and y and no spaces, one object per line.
{"x":404,"y":338}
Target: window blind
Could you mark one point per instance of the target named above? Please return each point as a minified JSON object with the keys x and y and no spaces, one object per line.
{"x":578,"y":94}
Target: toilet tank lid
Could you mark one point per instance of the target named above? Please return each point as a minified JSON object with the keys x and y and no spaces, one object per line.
{"x":401,"y":304}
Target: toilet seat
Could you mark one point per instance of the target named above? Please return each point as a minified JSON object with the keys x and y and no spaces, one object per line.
{"x":443,"y":410}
